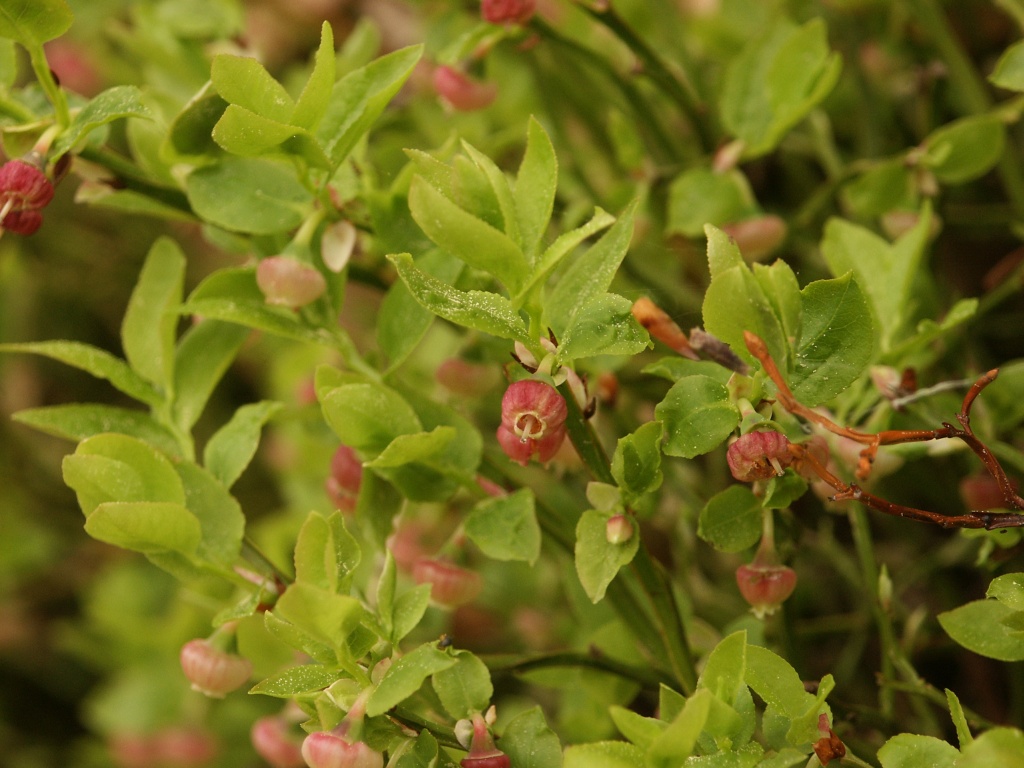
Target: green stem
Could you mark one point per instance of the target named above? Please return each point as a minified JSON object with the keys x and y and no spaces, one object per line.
{"x":133,"y":178}
{"x":255,"y":555}
{"x":517,"y":664}
{"x":861,"y":530}
{"x":969,"y":87}
{"x":683,"y":93}
{"x":445,"y":736}
{"x":41,"y":68}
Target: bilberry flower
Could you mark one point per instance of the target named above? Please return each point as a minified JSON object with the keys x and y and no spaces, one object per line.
{"x":24,"y":191}
{"x":532,"y":421}
{"x":759,"y":455}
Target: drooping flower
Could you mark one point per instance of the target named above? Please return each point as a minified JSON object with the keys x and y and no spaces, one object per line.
{"x":507,"y":11}
{"x":765,"y":586}
{"x":759,"y":455}
{"x":461,"y":92}
{"x":286,"y":282}
{"x":212,"y":671}
{"x":482,"y":751}
{"x":272,"y":741}
{"x":533,"y":417}
{"x":331,"y":750}
{"x":450,"y":585}
{"x":24,"y":191}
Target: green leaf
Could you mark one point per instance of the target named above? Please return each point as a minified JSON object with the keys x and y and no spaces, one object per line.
{"x":77,"y":421}
{"x":591,"y":274}
{"x":637,"y":729}
{"x":837,"y":342}
{"x":956,"y":714}
{"x":252,"y":195}
{"x":242,"y":80}
{"x":603,"y":326}
{"x":494,"y":186}
{"x":723,"y":671}
{"x":995,"y":747}
{"x":322,"y":557}
{"x":203,"y":356}
{"x":773,"y":679}
{"x":775,"y":82}
{"x":597,"y":559}
{"x":965,"y":149}
{"x":145,"y":526}
{"x":112,"y":104}
{"x":113,"y":468}
{"x":295,"y":680}
{"x":33,"y":22}
{"x":888,"y":186}
{"x":909,"y":750}
{"x":231,"y":448}
{"x":467,"y":237}
{"x":243,"y":132}
{"x":530,"y":743}
{"x":723,"y":253}
{"x":678,"y":741}
{"x":326,"y":616}
{"x":190,"y":134}
{"x":698,"y":415}
{"x":402,"y":320}
{"x":731,"y":520}
{"x":700,"y":196}
{"x":151,"y":320}
{"x":1009,"y":70}
{"x":358,"y":99}
{"x":505,"y":527}
{"x":94,"y":361}
{"x":735,"y":302}
{"x":405,"y":677}
{"x":316,"y":94}
{"x":603,"y":754}
{"x":781,"y":491}
{"x":782,"y":290}
{"x":1008,"y":589}
{"x":368,"y":417}
{"x":535,"y":187}
{"x":465,"y":688}
{"x":220,"y":515}
{"x":418,"y":446}
{"x":636,"y":463}
{"x":980,"y":626}
{"x":423,"y":754}
{"x":480,"y":310}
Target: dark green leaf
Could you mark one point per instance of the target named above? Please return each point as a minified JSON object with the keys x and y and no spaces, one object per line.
{"x":529,"y":742}
{"x":980,"y":626}
{"x":33,"y":22}
{"x":597,"y":559}
{"x":701,"y":196}
{"x":731,"y":520}
{"x":636,"y":464}
{"x":465,"y":688}
{"x":1009,"y":70}
{"x":368,"y":416}
{"x":112,"y":104}
{"x":505,"y":527}
{"x":965,"y":149}
{"x":77,"y":421}
{"x":604,"y":325}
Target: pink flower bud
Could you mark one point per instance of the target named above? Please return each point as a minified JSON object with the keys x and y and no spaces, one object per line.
{"x":212,"y":671}
{"x":759,"y":455}
{"x":765,"y":586}
{"x":328,"y":750}
{"x":286,"y":282}
{"x":507,"y":11}
{"x":183,"y":747}
{"x":482,"y":752}
{"x":461,"y":92}
{"x":618,"y":529}
{"x":346,"y":477}
{"x":758,"y":237}
{"x":532,"y":421}
{"x":272,"y":741}
{"x":450,"y":585}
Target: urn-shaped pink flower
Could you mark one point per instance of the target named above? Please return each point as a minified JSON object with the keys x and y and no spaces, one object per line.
{"x":759,"y":455}
{"x":24,"y":190}
{"x":765,"y":586}
{"x":461,"y":92}
{"x":286,"y":282}
{"x":212,"y":671}
{"x":482,"y":752}
{"x":329,"y":750}
{"x":532,"y":421}
{"x":507,"y":11}
{"x":273,"y":742}
{"x":450,"y":585}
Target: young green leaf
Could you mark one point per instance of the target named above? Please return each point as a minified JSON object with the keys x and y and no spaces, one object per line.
{"x":535,"y":188}
{"x":636,"y":463}
{"x":243,"y":132}
{"x":203,"y":356}
{"x":326,"y":616}
{"x":997,"y":746}
{"x":604,"y":325}
{"x":121,"y":101}
{"x":464,"y":235}
{"x":1009,"y":70}
{"x":597,"y":559}
{"x":405,"y":677}
{"x":220,"y":515}
{"x":700,"y":196}
{"x":368,"y":417}
{"x":242,"y":80}
{"x":231,"y":448}
{"x":505,"y":527}
{"x":78,"y":421}
{"x":145,"y":526}
{"x":151,"y":320}
{"x":735,"y":302}
{"x":481,"y":310}
{"x":603,"y":754}
{"x":723,"y":671}
{"x":316,"y":94}
{"x":909,"y":750}
{"x":677,"y":742}
{"x":529,"y":742}
{"x":698,"y":416}
{"x":418,"y":446}
{"x":290,"y":682}
{"x":965,"y":149}
{"x":981,"y":626}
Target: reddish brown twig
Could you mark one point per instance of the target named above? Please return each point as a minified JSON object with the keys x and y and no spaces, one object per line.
{"x":853,"y":492}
